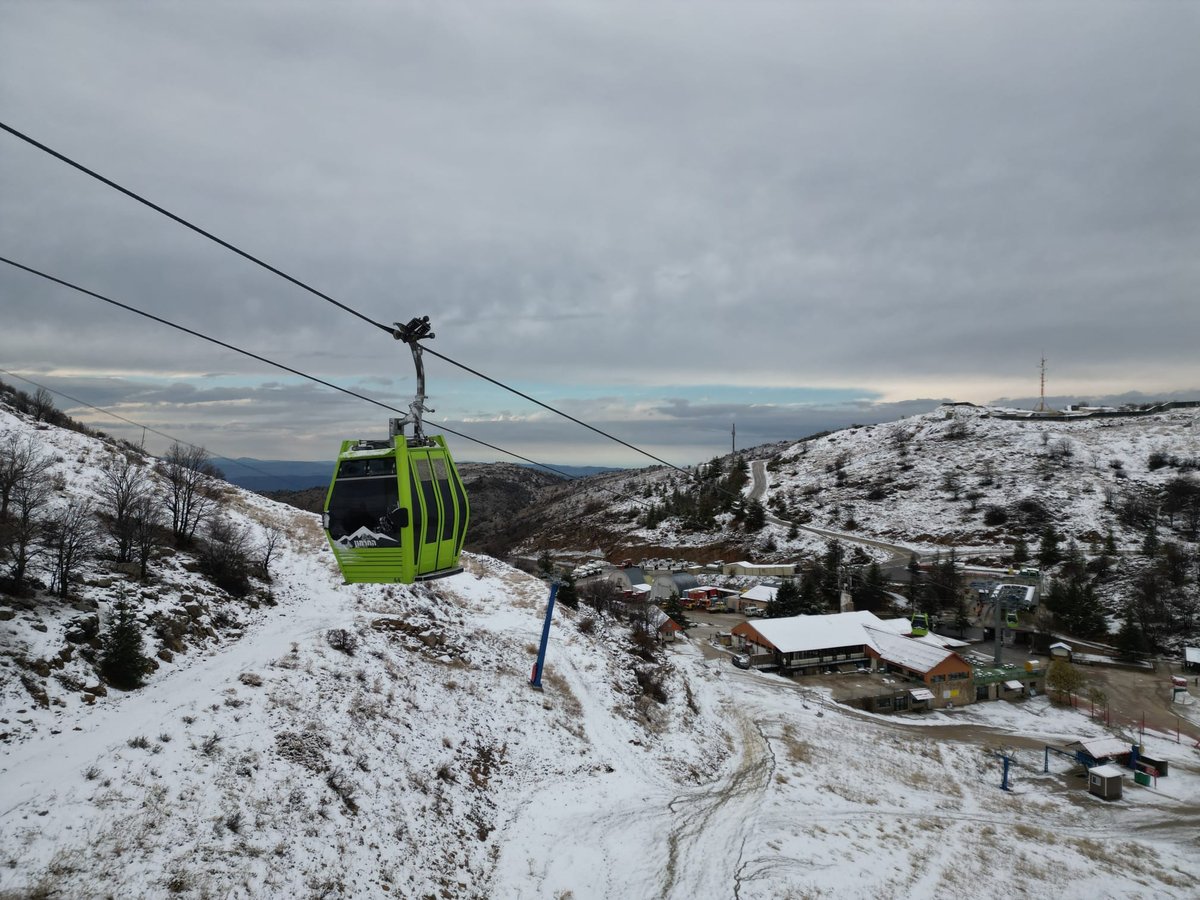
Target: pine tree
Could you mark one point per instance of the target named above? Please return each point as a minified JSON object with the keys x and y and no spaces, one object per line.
{"x":673,"y":607}
{"x":1131,"y":638}
{"x":787,"y":601}
{"x":1048,"y":552}
{"x":1150,"y":543}
{"x":811,"y":603}
{"x":1020,"y":552}
{"x":568,"y":594}
{"x":122,"y":661}
{"x":756,"y":516}
{"x":1110,"y":543}
{"x":871,"y":593}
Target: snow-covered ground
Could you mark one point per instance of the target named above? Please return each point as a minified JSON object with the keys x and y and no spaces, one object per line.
{"x":416,"y":761}
{"x":424,"y":765}
{"x":926,"y":482}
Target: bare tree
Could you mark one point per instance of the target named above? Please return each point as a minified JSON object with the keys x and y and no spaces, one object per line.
{"x":70,"y":536}
{"x":21,"y":531}
{"x":123,"y":485}
{"x":189,"y":499}
{"x":225,"y":556}
{"x":272,"y":541}
{"x":19,"y":457}
{"x":41,"y":405}
{"x":146,"y":530}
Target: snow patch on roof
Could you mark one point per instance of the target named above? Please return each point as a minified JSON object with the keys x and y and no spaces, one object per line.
{"x":907,"y":652}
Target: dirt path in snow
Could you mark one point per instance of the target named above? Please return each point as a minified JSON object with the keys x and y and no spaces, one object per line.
{"x":32,"y":771}
{"x":758,"y":472}
{"x":712,"y":824}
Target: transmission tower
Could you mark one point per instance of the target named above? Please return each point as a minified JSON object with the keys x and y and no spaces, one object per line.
{"x":1042,"y":404}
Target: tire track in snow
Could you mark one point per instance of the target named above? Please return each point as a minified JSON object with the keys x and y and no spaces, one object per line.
{"x":705,"y":818}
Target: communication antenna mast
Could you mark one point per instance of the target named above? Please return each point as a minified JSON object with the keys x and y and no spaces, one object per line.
{"x":733,"y":438}
{"x":1042,"y":404}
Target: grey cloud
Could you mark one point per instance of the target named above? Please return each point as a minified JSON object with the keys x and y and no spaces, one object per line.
{"x":799,"y":194}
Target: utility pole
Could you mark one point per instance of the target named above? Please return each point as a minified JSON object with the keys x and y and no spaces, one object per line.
{"x":997,"y":661}
{"x":1042,"y":404}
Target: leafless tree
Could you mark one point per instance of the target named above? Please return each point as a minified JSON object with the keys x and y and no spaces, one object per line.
{"x":41,"y":405}
{"x":146,"y":530}
{"x":21,"y":531}
{"x":267,"y":550}
{"x":20,"y":457}
{"x":70,"y":537}
{"x":189,"y":498}
{"x":124,"y":482}
{"x":225,"y":556}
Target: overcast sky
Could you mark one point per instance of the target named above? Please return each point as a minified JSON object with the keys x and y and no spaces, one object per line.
{"x":664,"y":217}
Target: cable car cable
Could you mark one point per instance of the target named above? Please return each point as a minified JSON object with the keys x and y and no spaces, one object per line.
{"x":312,"y":290}
{"x":186,"y":224}
{"x":263,"y":359}
{"x":186,"y":330}
{"x":109,"y":412}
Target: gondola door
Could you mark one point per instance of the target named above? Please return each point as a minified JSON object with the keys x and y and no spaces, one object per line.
{"x":440,"y":521}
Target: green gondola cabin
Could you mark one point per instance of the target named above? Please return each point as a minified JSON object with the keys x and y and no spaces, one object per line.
{"x":396,"y":513}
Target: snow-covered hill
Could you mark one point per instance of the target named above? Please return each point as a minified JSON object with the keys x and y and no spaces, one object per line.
{"x":926,"y":482}
{"x":367,"y":741}
{"x":929,"y":481}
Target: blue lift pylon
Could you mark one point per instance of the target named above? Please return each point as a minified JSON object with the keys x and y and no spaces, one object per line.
{"x":535,"y":678}
{"x":1005,"y":785}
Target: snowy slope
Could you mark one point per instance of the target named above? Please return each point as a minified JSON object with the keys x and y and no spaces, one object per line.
{"x":263,"y":762}
{"x":923,"y":471}
{"x":925,"y":482}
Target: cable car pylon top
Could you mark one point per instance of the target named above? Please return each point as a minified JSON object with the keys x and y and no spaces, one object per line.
{"x":417,"y":330}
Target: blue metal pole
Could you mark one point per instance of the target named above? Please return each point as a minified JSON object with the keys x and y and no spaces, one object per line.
{"x":536,"y":679}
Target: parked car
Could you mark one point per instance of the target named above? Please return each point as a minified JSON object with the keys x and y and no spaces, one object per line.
{"x":742,"y":661}
{"x":751,"y":611}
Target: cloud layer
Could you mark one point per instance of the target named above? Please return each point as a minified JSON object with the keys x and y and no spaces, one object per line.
{"x":625,"y":205}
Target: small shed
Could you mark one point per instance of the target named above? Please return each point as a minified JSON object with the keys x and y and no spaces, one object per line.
{"x":1105,"y":782}
{"x":1061,"y":650}
{"x":1191,"y":658}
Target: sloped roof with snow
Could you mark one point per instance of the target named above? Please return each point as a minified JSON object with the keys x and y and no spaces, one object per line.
{"x":896,"y":626}
{"x":1104,"y":748}
{"x":660,"y":619}
{"x":761,"y":592}
{"x":915,"y":655}
{"x":797,"y":634}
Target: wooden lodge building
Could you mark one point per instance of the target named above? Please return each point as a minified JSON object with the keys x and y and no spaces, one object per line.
{"x":935,"y":676}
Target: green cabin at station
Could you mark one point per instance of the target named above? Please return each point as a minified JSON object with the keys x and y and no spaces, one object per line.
{"x":396,"y":511}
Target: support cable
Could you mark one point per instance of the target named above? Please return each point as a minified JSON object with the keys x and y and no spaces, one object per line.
{"x":109,"y":412}
{"x":312,"y":290}
{"x":270,"y":362}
